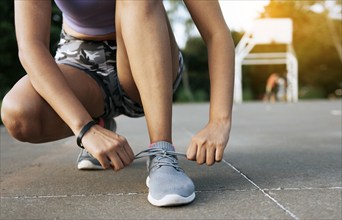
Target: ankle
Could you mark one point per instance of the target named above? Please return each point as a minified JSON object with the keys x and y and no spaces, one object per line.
{"x":162,"y":144}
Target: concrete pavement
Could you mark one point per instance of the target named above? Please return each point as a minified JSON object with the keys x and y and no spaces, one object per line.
{"x":283,"y":162}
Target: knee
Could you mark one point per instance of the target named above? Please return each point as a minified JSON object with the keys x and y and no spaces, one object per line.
{"x":17,"y":119}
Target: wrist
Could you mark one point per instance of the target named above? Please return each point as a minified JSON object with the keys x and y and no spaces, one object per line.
{"x":223,"y":122}
{"x":220,"y":119}
{"x":83,"y":131}
{"x":220,"y":112}
{"x":76,"y":125}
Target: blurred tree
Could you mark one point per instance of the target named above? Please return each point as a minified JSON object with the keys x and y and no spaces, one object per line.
{"x":10,"y":68}
{"x":195,"y":60}
{"x":314,"y":42}
{"x":195,"y":84}
{"x":174,"y":8}
{"x":196,"y":64}
{"x":317,"y":41}
{"x":333,"y":15}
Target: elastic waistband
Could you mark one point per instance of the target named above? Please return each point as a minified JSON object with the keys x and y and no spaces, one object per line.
{"x":66,"y":36}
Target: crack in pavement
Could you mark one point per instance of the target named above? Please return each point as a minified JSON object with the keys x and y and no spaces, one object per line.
{"x":143,"y":193}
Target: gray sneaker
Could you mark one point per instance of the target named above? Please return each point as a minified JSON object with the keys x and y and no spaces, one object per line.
{"x":85,"y":160}
{"x":167,"y":182}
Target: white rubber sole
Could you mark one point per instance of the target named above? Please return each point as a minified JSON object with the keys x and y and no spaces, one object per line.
{"x":169,"y":200}
{"x":87,"y":165}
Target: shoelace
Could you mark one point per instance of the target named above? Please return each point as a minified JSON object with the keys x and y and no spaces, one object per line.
{"x":161,"y":155}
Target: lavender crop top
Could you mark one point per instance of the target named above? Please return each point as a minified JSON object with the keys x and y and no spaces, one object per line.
{"x":90,"y":17}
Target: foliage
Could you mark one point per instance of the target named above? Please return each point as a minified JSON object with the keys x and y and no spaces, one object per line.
{"x":319,"y":63}
{"x":197,"y":70}
{"x":196,"y":67}
{"x":10,"y":68}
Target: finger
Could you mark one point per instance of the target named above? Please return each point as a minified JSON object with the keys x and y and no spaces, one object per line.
{"x":219,"y":154}
{"x":129,"y":151}
{"x":210,"y":157}
{"x":201,"y":154}
{"x":192,"y":151}
{"x":124,"y":157}
{"x":125,"y":147}
{"x":116,"y":161}
{"x":105,"y":163}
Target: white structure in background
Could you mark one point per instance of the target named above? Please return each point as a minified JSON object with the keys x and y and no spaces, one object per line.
{"x":267,"y":31}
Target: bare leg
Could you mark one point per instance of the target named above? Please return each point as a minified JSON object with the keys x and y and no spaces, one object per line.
{"x":147,"y":62}
{"x":147,"y":66}
{"x":29,"y":118}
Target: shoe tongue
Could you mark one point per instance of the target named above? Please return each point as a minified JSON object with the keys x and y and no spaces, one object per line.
{"x":163,"y":145}
{"x":167,"y":162}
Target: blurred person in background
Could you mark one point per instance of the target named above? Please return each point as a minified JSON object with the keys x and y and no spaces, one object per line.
{"x":275,"y":88}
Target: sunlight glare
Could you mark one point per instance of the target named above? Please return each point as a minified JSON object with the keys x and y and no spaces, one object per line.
{"x":239,"y":14}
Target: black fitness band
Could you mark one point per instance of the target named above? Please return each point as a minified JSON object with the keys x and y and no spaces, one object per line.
{"x":83,"y":132}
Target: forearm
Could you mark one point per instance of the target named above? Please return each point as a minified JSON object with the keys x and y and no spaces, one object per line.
{"x":49,"y":82}
{"x":208,"y":145}
{"x":221,"y":69}
{"x":32,"y":25}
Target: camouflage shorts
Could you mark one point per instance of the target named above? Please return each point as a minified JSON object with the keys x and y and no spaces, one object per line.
{"x":98,"y":59}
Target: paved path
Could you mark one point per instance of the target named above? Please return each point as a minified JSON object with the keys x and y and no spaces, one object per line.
{"x":283,"y":162}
